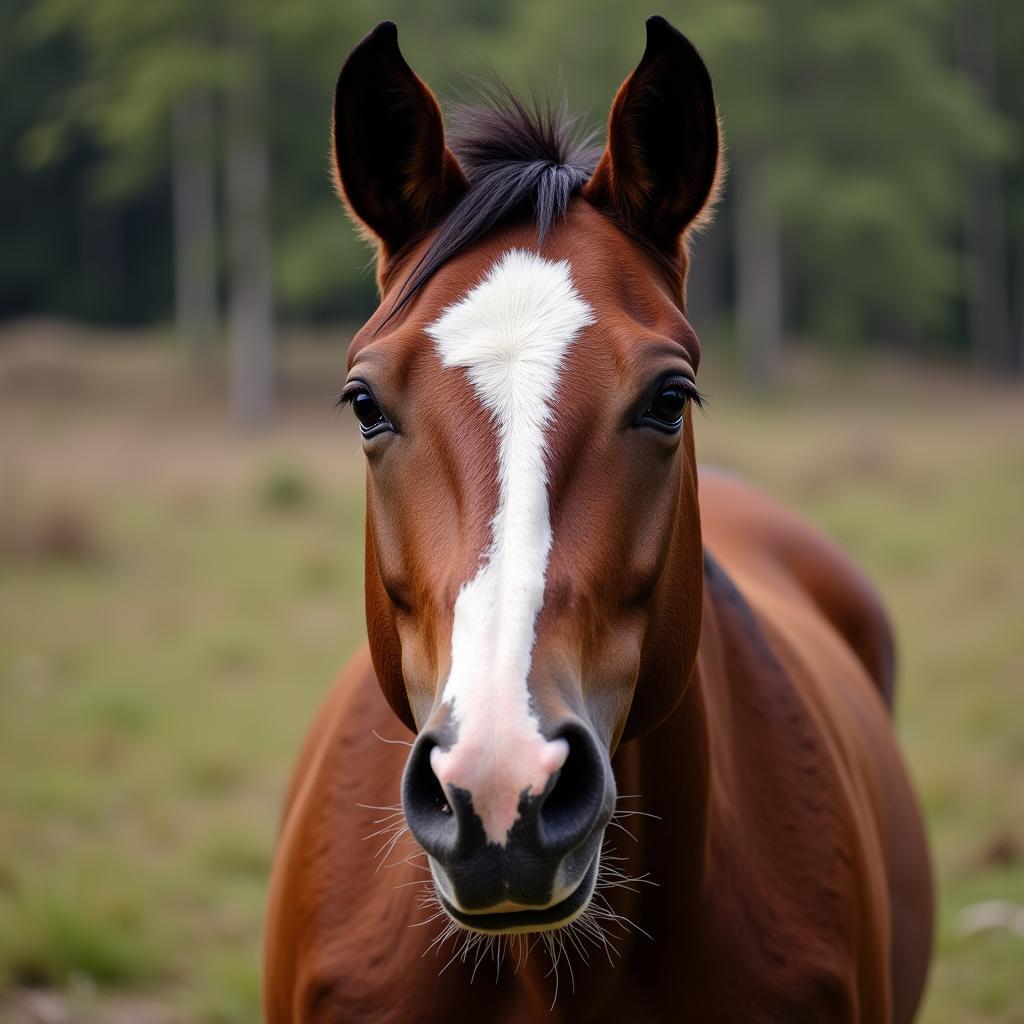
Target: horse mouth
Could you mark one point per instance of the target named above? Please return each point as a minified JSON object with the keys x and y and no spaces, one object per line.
{"x":528,"y":920}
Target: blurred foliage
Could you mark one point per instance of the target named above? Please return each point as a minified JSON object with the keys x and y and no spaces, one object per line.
{"x":867,"y":115}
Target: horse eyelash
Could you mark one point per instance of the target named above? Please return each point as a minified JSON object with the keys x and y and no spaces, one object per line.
{"x":697,"y":396}
{"x":347,"y":393}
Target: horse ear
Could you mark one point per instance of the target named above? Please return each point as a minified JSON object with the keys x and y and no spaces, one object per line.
{"x":392,"y":168}
{"x":660,"y":167}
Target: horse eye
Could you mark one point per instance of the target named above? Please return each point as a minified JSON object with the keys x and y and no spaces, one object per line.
{"x":666,"y":411}
{"x":367,"y":411}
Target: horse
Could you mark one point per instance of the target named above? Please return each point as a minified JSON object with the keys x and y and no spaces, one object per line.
{"x":649,"y":771}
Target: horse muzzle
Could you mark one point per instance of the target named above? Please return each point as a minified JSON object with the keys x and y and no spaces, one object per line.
{"x":540,"y":874}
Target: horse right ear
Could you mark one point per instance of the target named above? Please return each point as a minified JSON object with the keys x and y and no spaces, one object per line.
{"x":392,"y":167}
{"x":660,"y":168}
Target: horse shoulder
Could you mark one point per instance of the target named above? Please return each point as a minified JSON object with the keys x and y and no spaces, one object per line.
{"x":357,"y":672}
{"x":743,"y":525}
{"x":326,"y":904}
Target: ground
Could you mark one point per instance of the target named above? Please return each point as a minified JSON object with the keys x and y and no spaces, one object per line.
{"x":175,"y":598}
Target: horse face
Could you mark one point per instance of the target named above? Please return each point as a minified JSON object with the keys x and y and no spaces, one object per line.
{"x":531,"y":490}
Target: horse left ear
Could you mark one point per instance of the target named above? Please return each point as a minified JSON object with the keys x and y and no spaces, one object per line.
{"x":392,"y":167}
{"x":659,"y":169}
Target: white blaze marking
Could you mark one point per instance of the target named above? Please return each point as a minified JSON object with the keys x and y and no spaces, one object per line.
{"x":510,"y":333}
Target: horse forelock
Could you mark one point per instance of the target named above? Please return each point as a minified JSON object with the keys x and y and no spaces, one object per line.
{"x":521,"y":160}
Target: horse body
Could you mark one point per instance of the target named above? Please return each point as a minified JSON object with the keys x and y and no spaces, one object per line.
{"x":651,"y":773}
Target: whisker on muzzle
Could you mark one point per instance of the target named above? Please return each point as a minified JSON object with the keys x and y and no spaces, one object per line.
{"x":600,"y":928}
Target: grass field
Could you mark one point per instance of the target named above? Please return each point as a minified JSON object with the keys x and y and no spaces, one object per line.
{"x":174,"y":599}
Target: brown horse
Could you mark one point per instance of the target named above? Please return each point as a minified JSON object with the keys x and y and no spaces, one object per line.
{"x":559,"y":618}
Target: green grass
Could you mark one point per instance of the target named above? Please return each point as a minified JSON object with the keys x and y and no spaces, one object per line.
{"x":156,"y":682}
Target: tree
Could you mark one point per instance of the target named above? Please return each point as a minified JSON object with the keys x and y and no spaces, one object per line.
{"x":251,"y":318}
{"x":153,"y":80}
{"x":144,"y":99}
{"x":985,"y":246}
{"x":1008,"y":97}
{"x":195,"y":228}
{"x":758,"y":248}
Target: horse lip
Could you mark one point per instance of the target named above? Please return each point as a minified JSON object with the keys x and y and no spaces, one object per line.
{"x":526,"y":919}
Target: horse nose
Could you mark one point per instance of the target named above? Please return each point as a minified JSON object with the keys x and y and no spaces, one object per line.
{"x":573,"y":805}
{"x":469,"y":810}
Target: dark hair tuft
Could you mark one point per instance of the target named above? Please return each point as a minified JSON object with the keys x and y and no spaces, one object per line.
{"x":519,"y":159}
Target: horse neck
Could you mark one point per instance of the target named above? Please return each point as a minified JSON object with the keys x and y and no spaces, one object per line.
{"x":673,"y":783}
{"x":664,"y":775}
{"x":664,"y":782}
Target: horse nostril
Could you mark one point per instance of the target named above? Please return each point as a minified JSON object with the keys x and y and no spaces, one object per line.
{"x":569,"y":811}
{"x":426,"y":806}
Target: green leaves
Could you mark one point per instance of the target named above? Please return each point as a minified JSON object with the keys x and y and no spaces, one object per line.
{"x":869,"y":119}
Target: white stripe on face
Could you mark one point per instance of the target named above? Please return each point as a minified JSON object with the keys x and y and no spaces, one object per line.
{"x":510,"y":333}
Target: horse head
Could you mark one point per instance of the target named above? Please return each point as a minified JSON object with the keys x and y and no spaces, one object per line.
{"x":524,"y":394}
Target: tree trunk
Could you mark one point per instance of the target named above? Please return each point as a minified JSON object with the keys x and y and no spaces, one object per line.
{"x":988,"y":303}
{"x":1019,"y":343}
{"x":758,"y":268}
{"x":195,"y":270}
{"x":251,"y":315}
{"x":702,"y":300}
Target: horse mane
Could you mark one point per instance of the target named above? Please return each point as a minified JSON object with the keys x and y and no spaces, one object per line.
{"x":521,"y":159}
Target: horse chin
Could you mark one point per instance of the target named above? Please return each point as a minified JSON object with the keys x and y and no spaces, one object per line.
{"x":525,"y":920}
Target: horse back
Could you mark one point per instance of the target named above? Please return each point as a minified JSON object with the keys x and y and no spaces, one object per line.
{"x":744,"y":526}
{"x":808,"y":660}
